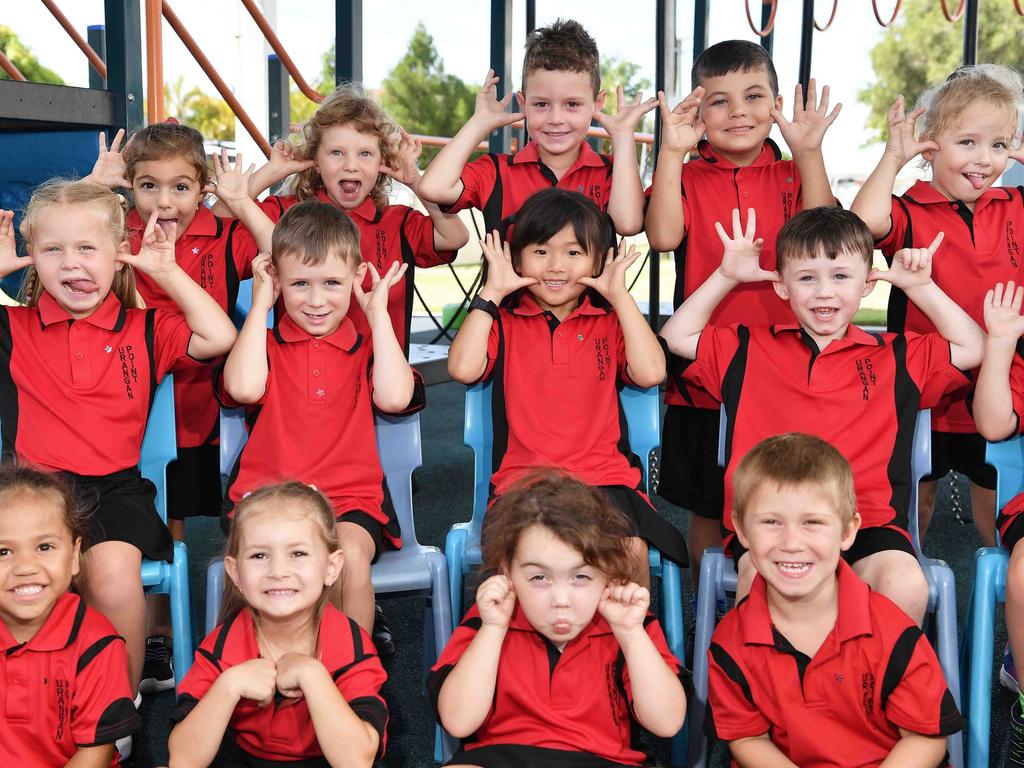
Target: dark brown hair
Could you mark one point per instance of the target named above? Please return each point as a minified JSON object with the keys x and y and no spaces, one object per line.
{"x":826,"y":231}
{"x":548,"y":212}
{"x":563,"y":46}
{"x":163,"y":141}
{"x":311,"y":231}
{"x":578,"y":514}
{"x":17,"y":480}
{"x":733,"y":56}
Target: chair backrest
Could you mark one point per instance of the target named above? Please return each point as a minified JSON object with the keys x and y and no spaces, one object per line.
{"x":1007,"y":456}
{"x":159,"y":443}
{"x":243,"y":303}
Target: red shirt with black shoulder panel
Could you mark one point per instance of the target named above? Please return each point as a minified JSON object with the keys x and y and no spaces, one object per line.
{"x":874,"y":674}
{"x":861,"y":394}
{"x":66,"y":688}
{"x":555,"y":393}
{"x":216,"y":253}
{"x":75,"y":394}
{"x":580,"y":699}
{"x":283,"y":730}
{"x":396,"y":233}
{"x":712,"y":187}
{"x":980,"y":249}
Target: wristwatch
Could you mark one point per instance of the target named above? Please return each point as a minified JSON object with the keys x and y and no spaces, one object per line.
{"x":485,"y":305}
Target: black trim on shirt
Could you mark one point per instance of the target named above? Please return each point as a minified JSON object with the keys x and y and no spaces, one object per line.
{"x":732,"y":386}
{"x":151,"y":354}
{"x":119,"y":719}
{"x":93,"y":650}
{"x":76,"y":625}
{"x":896,"y":314}
{"x":232,"y":279}
{"x":8,"y":389}
{"x":409,"y":257}
{"x":495,"y":203}
{"x":907,"y":400}
{"x":899,"y":658}
{"x":186,"y":703}
{"x":499,"y":414}
{"x":731,"y":669}
{"x":782,"y":645}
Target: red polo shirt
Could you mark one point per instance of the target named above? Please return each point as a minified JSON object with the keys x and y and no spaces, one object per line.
{"x":283,"y":731}
{"x":874,"y":674}
{"x":498,"y":185}
{"x":712,"y":188}
{"x":979,"y":250}
{"x":861,"y":394}
{"x":75,"y":394}
{"x":579,"y":699}
{"x":1009,"y":520}
{"x":216,"y":253}
{"x":555,"y":399}
{"x":65,"y":689}
{"x":396,"y":233}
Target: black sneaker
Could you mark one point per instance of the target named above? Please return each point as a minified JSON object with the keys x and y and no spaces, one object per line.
{"x":382,"y":637}
{"x":1015,"y":738}
{"x":157,"y":670}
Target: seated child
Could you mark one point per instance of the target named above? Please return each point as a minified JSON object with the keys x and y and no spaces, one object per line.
{"x":64,"y":669}
{"x":561,"y":95}
{"x":565,"y":339}
{"x":288,"y":675}
{"x":825,"y":376}
{"x":873,"y":691}
{"x":560,"y":660}
{"x":315,"y":381}
{"x":970,"y":130}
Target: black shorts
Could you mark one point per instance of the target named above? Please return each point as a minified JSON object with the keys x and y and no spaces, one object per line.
{"x":518,"y":755}
{"x":648,"y":523}
{"x":193,"y":483}
{"x":690,"y":476}
{"x":122,"y":507}
{"x":963,"y":452}
{"x":868,"y":542}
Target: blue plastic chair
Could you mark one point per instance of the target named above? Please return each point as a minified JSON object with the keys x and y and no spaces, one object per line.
{"x":718,"y":582}
{"x":990,"y":567}
{"x":415,"y":569}
{"x":462,"y":544}
{"x":159,"y":448}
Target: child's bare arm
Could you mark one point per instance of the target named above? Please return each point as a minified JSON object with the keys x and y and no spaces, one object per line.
{"x":804,"y":135}
{"x":645,"y":362}
{"x":393,"y":381}
{"x":467,"y":693}
{"x":873,"y":203}
{"x":993,"y":399}
{"x":10,"y":261}
{"x":740,"y":264}
{"x":626,"y":200}
{"x":233,"y":191}
{"x":441,"y":182}
{"x":681,"y":129}
{"x":91,"y":757}
{"x":915,"y":749}
{"x":467,"y":357}
{"x":246,"y":369}
{"x":759,"y":752}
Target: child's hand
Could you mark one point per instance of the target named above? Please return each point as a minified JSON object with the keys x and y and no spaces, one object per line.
{"x":292,"y":669}
{"x":627,"y":116}
{"x":611,"y":283}
{"x":911,"y":267}
{"x":255,"y":679}
{"x":156,"y":256}
{"x":741,"y":257}
{"x":109,"y":169}
{"x":286,"y":160}
{"x":902,"y":144}
{"x":9,"y":259}
{"x":495,"y":599}
{"x":377,"y":299}
{"x":1003,"y":319}
{"x":681,"y":128}
{"x":232,"y":184}
{"x":501,"y":277}
{"x":407,"y":171}
{"x":265,"y":288}
{"x":805,"y":132}
{"x":624,"y":606}
{"x":491,"y":113}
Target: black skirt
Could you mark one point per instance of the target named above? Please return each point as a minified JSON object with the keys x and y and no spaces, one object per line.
{"x":518,"y":755}
{"x":649,"y":524}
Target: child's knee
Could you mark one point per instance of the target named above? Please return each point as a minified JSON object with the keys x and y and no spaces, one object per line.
{"x":1015,"y":577}
{"x":898,"y":576}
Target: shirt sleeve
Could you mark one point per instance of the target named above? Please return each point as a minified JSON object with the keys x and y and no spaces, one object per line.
{"x":915,"y":696}
{"x":360,"y":683}
{"x":929,"y":365}
{"x":418,"y":232}
{"x":1017,"y":384}
{"x":715,"y":350}
{"x":478,"y":179}
{"x":102,"y":710}
{"x":171,"y":336}
{"x":893,"y":240}
{"x":457,"y":645}
{"x":199,"y":679}
{"x":731,"y":713}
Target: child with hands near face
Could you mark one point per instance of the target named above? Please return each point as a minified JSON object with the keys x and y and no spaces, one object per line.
{"x":287,"y":674}
{"x":827,"y":377}
{"x":560,"y":658}
{"x":556,"y":330}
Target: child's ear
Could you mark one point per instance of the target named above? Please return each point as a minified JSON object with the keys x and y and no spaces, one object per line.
{"x":361,"y":271}
{"x":76,"y":557}
{"x":778,"y":102}
{"x":335,"y":561}
{"x":780,"y":289}
{"x":521,"y":100}
{"x":231,"y":569}
{"x":869,"y":286}
{"x":850,"y":533}
{"x":927,"y":154}
{"x":124,"y":248}
{"x":599,"y":101}
{"x":737,"y":525}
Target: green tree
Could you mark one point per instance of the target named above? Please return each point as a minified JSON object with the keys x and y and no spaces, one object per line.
{"x":922,"y":48}
{"x":209,"y":115}
{"x":22,"y":57}
{"x":615,"y":72}
{"x":302,"y":108}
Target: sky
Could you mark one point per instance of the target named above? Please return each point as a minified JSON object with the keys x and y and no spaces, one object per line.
{"x":625,"y":31}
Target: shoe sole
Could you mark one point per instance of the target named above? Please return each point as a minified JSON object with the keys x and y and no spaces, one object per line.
{"x":1007,"y":681}
{"x":152,"y":685}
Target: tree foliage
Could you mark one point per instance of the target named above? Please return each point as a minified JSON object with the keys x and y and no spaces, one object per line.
{"x":209,"y":115}
{"x":922,"y":48}
{"x":22,"y":57}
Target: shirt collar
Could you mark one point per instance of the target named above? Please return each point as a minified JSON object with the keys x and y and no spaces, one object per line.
{"x":524,"y":304}
{"x":587,"y":157}
{"x":58,"y":631}
{"x":923,"y":193}
{"x":345,"y":337}
{"x":855,"y":336}
{"x":366,"y":210}
{"x":109,"y":316}
{"x":204,"y":223}
{"x":333,"y":624}
{"x":770,"y":153}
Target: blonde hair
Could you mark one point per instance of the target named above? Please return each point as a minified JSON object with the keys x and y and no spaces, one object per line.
{"x":993,"y":84}
{"x":348,"y":105}
{"x":70,"y":192}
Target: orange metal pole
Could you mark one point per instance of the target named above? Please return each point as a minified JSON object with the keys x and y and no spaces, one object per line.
{"x":10,"y":69}
{"x":154,"y":61}
{"x":215,"y":78}
{"x":282,"y":54}
{"x":94,"y":58}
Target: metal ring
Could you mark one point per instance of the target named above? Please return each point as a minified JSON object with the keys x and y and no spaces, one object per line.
{"x":954,"y":17}
{"x":895,"y":12}
{"x":835,"y":6}
{"x":771,"y":19}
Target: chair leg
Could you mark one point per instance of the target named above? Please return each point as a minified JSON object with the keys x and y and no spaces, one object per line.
{"x":707,"y":595}
{"x":454,"y":549}
{"x":439,"y":619}
{"x":986,"y":566}
{"x":181,"y":612}
{"x":942,"y":577}
{"x":214,"y":591}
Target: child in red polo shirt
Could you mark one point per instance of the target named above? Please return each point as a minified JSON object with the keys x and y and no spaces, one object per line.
{"x":560,"y":661}
{"x":64,"y":669}
{"x":79,"y":366}
{"x":315,"y":381}
{"x":292,"y":678}
{"x":812,"y":667}
{"x":566,"y":338}
{"x":733,"y":106}
{"x":824,"y":376}
{"x":969,"y":132}
{"x":561,"y":94}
